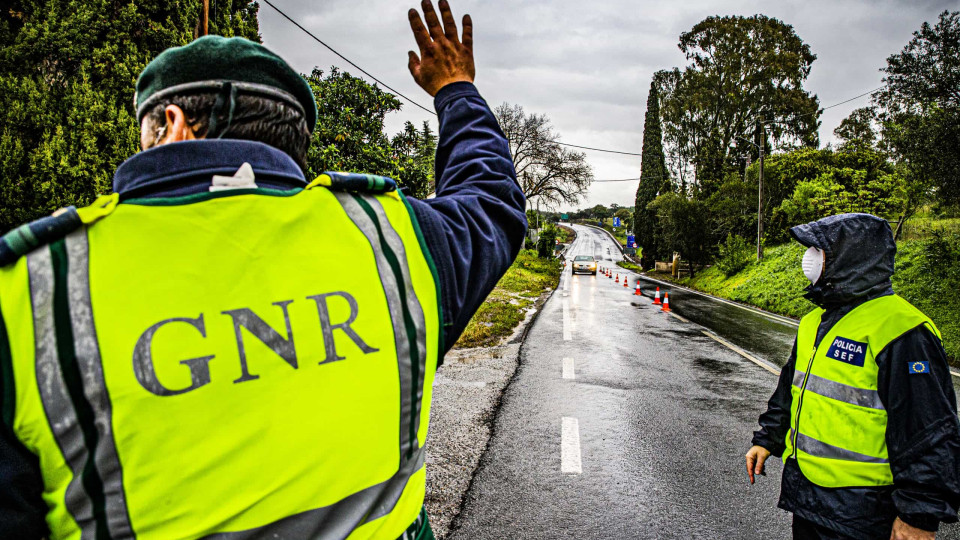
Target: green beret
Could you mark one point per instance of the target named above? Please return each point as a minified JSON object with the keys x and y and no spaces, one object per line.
{"x":213,"y":63}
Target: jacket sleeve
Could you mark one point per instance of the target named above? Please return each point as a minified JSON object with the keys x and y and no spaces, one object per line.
{"x":22,"y":510}
{"x":923,"y":433}
{"x":475,"y":225}
{"x":775,"y":422}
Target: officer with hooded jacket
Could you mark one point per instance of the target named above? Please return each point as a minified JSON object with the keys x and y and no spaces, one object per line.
{"x":864,"y":415}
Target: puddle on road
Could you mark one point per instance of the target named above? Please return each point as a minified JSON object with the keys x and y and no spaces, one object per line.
{"x":714,"y":366}
{"x":683,"y":332}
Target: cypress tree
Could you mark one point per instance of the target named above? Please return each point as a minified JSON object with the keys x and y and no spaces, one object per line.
{"x":67,"y":74}
{"x":653,"y":180}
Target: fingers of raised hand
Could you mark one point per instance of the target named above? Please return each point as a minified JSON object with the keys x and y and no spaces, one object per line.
{"x":433,"y":22}
{"x":420,"y":33}
{"x":449,"y":23}
{"x":413,"y":64}
{"x":468,"y":32}
{"x":750,"y":465}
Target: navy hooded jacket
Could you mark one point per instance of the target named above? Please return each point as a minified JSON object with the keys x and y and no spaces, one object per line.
{"x":923,"y":433}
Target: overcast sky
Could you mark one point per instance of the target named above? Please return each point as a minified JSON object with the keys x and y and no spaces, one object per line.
{"x":587,"y":65}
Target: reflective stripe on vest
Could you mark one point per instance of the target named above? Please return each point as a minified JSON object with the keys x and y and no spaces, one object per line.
{"x":837,"y":420}
{"x":112,"y":436}
{"x":70,"y":380}
{"x":839,"y":391}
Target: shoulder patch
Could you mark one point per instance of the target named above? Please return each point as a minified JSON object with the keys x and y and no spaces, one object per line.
{"x":918,"y":366}
{"x":29,"y":237}
{"x":366,"y":183}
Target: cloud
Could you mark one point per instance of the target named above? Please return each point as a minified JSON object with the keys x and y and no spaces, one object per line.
{"x":587,"y":65}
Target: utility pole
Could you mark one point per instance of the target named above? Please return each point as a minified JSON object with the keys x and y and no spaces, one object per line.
{"x":206,"y":17}
{"x":763,"y":144}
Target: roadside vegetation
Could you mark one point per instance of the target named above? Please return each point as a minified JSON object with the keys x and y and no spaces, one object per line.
{"x":927,"y":275}
{"x":528,"y":278}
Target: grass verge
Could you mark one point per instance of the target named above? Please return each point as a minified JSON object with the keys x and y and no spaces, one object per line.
{"x":507,"y":305}
{"x":629,"y":266}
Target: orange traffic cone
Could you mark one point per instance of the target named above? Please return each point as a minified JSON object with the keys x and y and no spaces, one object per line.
{"x":618,"y":279}
{"x":656,"y":299}
{"x":666,"y":302}
{"x":625,"y":280}
{"x":609,"y":274}
{"x":638,"y":293}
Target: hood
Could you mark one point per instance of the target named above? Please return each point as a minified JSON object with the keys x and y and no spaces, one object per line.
{"x":859,"y":257}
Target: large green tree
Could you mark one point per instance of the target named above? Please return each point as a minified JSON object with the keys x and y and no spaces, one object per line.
{"x":67,"y":74}
{"x":654,"y":180}
{"x":920,"y":111}
{"x":350,"y":133}
{"x":742,"y":71}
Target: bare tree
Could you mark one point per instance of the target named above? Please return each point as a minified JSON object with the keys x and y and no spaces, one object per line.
{"x":545,"y":169}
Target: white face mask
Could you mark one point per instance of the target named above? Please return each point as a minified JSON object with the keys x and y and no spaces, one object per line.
{"x":812,"y":264}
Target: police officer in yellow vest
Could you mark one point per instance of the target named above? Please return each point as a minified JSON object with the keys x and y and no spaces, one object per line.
{"x":864,"y":416}
{"x":224,"y":349}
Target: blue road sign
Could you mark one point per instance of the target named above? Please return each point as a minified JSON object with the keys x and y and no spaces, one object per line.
{"x":616,"y":222}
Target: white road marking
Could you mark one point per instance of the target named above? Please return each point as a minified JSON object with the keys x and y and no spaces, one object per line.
{"x":678,"y":317}
{"x":568,"y":371}
{"x":570,"y":446}
{"x":741,"y":352}
{"x":567,"y":334}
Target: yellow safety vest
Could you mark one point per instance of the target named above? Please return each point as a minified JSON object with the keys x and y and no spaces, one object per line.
{"x":837,"y":422}
{"x":240,"y":364}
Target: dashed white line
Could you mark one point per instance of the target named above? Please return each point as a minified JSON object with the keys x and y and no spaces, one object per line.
{"x":568,"y":370}
{"x":741,"y":352}
{"x":570,"y":446}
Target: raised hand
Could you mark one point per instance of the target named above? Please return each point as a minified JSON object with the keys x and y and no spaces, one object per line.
{"x":444,"y":58}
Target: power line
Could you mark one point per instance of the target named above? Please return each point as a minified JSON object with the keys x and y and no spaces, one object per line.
{"x":818,"y":112}
{"x":345,"y":59}
{"x":412,"y":102}
{"x":874,"y":91}
{"x":597,"y":149}
{"x":617,"y":180}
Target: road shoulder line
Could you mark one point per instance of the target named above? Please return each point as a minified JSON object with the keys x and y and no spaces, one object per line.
{"x":741,"y":352}
{"x":758,"y":311}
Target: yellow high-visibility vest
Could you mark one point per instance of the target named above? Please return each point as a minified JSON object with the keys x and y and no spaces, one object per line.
{"x":837,"y":421}
{"x":236,"y":364}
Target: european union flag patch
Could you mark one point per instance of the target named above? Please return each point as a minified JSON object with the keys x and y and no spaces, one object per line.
{"x":847,"y":350}
{"x":919,"y":366}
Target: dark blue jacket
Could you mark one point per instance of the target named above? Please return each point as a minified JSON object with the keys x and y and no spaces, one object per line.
{"x":923,"y":433}
{"x":473,"y":229}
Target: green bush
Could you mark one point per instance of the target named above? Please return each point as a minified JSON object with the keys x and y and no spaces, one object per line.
{"x":735,"y":255}
{"x":928,"y":276}
{"x":547,"y":241}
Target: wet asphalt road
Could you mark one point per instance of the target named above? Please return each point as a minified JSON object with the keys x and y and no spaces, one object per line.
{"x":626,"y":422}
